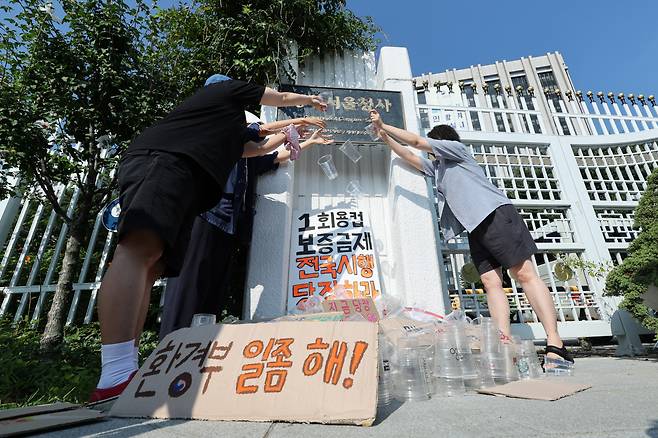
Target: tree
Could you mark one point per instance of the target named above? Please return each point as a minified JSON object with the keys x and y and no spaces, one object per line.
{"x":639,"y":270}
{"x":252,"y":40}
{"x":70,"y":94}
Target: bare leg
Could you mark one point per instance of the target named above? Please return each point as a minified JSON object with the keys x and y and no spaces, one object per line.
{"x":124,"y":285}
{"x":153,"y":276}
{"x":496,"y":299}
{"x":540,"y":300}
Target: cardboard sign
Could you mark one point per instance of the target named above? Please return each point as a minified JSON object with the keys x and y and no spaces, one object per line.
{"x":329,"y":249}
{"x":45,"y":420}
{"x":306,"y":371}
{"x":548,"y":390}
{"x":363,"y":306}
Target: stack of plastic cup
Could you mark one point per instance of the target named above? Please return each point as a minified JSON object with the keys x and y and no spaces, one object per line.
{"x":510,"y":358}
{"x":385,"y":379}
{"x":492,"y":359}
{"x":465,"y":356}
{"x":528,"y":362}
{"x":413,"y":375}
{"x":448,"y":375}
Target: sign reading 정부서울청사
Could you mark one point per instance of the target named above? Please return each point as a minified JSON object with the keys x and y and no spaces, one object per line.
{"x":350,"y":109}
{"x":331,"y":248}
{"x":289,"y":371}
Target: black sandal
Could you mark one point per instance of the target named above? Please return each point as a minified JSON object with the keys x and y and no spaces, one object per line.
{"x":560,"y":351}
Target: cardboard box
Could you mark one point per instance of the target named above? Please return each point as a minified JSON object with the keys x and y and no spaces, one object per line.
{"x":323,"y":372}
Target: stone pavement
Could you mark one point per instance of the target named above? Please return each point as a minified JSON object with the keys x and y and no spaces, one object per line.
{"x":623,"y":402}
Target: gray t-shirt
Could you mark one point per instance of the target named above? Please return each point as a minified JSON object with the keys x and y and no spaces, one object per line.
{"x":466,"y":197}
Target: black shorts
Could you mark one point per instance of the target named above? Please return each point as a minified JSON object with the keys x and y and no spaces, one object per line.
{"x":163,"y":192}
{"x":502,"y":239}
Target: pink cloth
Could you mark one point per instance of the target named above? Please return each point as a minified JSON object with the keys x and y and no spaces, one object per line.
{"x":292,"y":142}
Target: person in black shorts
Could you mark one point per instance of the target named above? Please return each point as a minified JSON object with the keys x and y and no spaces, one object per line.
{"x":498,"y":237}
{"x":172,"y":172}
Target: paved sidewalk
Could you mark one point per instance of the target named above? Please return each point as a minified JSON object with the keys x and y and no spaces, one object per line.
{"x":623,"y":402}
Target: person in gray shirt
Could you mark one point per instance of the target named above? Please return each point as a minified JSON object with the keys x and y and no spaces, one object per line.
{"x":497,"y":236}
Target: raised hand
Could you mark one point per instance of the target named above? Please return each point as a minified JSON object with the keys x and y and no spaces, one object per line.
{"x":319,"y":138}
{"x":318,"y":103}
{"x":314,"y":121}
{"x":376,"y":119}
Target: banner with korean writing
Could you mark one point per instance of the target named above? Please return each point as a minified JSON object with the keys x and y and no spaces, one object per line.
{"x":289,"y":371}
{"x":350,"y":109}
{"x":331,"y":250}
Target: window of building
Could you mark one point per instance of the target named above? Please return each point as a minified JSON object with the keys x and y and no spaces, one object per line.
{"x":422,"y":99}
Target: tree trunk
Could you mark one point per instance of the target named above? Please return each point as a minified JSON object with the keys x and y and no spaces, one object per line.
{"x":53,"y":334}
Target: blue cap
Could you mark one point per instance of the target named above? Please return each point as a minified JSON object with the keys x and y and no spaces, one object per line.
{"x":216,"y":78}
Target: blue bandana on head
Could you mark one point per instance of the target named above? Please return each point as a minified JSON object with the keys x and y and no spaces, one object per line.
{"x":216,"y":78}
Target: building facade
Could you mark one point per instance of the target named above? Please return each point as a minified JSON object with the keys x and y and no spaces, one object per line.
{"x":574,"y":164}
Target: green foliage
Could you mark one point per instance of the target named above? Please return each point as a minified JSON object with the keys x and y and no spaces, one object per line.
{"x":28,"y":378}
{"x":64,"y":86}
{"x":251,"y":40}
{"x":639,"y":270}
{"x":593,"y":269}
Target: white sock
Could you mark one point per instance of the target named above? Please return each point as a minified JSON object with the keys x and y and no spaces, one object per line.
{"x":136,"y":356}
{"x":117,"y":363}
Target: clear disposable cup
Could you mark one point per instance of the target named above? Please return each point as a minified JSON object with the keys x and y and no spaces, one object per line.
{"x":510,"y":358}
{"x":447,"y":363}
{"x":326,"y":163}
{"x":200,"y":319}
{"x":528,"y":361}
{"x":490,"y":339}
{"x":492,"y":365}
{"x":386,"y":372}
{"x":449,"y":387}
{"x":351,"y":151}
{"x":328,"y":98}
{"x":372,"y":132}
{"x":353,"y":188}
{"x":413,"y":372}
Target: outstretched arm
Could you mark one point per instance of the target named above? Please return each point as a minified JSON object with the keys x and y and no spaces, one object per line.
{"x":413,"y":140}
{"x":253,"y":149}
{"x":276,"y":98}
{"x":272,"y":127}
{"x":405,"y":153}
{"x":316,"y":138}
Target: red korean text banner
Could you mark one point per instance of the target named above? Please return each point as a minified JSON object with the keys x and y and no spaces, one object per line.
{"x":332,"y":248}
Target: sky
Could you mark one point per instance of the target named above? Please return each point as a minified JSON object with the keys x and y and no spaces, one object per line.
{"x":607,"y":45}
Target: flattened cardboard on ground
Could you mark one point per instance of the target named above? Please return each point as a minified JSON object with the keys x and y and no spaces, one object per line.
{"x":34,"y":410}
{"x":30,"y":424}
{"x":536,"y":389}
{"x":239,"y":379}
